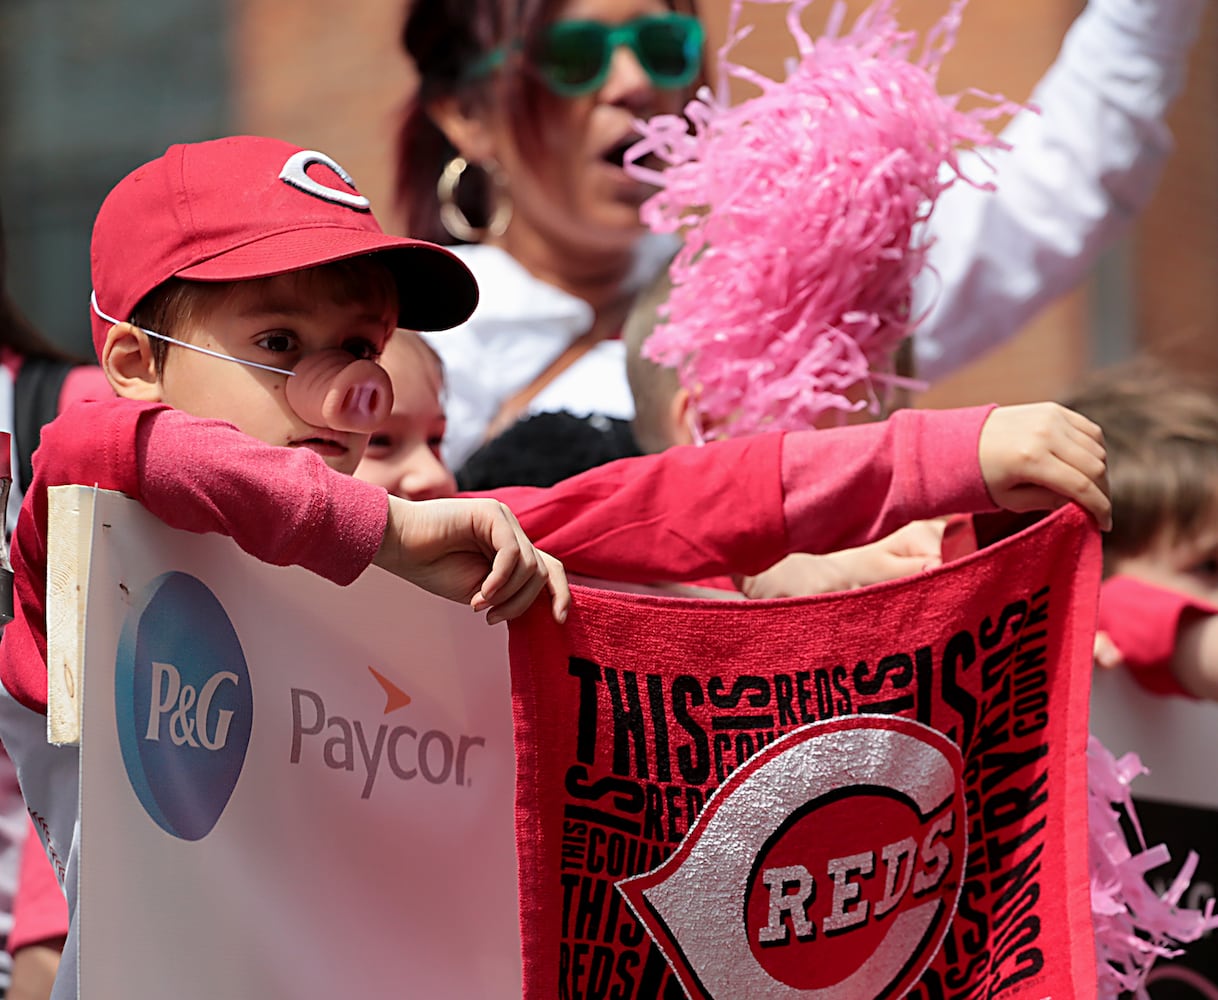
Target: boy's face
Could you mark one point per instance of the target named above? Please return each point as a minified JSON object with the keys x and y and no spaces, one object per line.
{"x":403,"y":456}
{"x":275,"y":321}
{"x":1186,"y":564}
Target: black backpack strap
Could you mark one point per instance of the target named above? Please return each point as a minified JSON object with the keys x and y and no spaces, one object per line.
{"x":35,"y":403}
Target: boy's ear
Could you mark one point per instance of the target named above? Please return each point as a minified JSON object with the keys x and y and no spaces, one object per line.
{"x":127,"y":360}
{"x":470,"y":134}
{"x":684,"y":425}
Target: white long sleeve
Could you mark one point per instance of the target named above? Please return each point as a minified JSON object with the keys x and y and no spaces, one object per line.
{"x":1077,"y":174}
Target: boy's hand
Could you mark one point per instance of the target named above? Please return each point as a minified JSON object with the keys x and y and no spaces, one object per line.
{"x":912,"y":549}
{"x":471,"y":551}
{"x":1039,"y":456}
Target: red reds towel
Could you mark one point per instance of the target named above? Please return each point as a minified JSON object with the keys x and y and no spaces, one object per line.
{"x":868,"y":794}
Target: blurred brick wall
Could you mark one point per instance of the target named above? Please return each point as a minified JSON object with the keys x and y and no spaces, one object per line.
{"x":89,"y":89}
{"x":328,"y":74}
{"x":1176,"y":254}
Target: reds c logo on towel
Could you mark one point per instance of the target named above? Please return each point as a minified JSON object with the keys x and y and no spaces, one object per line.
{"x":834,"y":882}
{"x":880,"y":793}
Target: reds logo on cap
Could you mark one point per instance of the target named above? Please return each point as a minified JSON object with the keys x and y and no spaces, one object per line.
{"x":827,"y":866}
{"x":295,"y":172}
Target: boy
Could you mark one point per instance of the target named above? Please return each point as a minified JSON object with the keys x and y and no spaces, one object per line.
{"x":239,"y":260}
{"x":1159,"y":603}
{"x":251,"y":256}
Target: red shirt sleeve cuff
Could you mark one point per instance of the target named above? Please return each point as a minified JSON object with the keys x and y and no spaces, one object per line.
{"x":1144,"y":623}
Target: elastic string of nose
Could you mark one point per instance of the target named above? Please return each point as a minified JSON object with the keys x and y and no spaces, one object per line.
{"x":190,"y":347}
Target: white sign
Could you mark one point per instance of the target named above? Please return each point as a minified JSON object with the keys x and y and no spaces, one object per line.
{"x":1176,"y":738}
{"x":288,"y":788}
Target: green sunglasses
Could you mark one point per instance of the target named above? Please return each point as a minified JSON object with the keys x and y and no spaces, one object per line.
{"x":573,"y":57}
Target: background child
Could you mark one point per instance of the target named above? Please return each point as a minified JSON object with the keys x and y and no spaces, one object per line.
{"x":1159,"y":612}
{"x":1159,"y":603}
{"x":403,"y":453}
{"x":404,"y":456}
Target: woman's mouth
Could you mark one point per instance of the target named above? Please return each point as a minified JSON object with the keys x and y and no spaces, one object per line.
{"x":615,"y":155}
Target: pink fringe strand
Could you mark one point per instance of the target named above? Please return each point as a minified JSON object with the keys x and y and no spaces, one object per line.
{"x":1133,"y":926}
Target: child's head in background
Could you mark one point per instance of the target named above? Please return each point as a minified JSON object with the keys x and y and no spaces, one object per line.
{"x":1161,"y":434}
{"x":403,"y":454}
{"x":246,"y":279}
{"x":666,"y":412}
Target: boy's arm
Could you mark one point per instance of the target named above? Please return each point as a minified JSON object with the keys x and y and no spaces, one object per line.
{"x":282,"y":506}
{"x":473,"y":552}
{"x":288,"y":508}
{"x":685,"y":514}
{"x":739,"y":506}
{"x":196,"y":475}
{"x":874,"y":478}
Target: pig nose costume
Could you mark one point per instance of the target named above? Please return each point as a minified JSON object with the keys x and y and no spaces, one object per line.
{"x":332,"y":389}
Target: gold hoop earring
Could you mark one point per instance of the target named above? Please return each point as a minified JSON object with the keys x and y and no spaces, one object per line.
{"x":454,"y":220}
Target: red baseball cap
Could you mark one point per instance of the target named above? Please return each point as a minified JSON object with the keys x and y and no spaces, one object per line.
{"x":247,"y":207}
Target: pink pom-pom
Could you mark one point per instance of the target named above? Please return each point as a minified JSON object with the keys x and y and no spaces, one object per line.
{"x":798,"y":209}
{"x":1133,"y":926}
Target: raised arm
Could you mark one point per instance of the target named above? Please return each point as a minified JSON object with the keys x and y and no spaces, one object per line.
{"x":1077,"y":174}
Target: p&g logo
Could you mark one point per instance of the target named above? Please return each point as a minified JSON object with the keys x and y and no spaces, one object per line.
{"x":183,"y":704}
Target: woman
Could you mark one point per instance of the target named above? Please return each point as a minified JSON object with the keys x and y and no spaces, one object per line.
{"x":557,"y":215}
{"x":513,"y":144}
